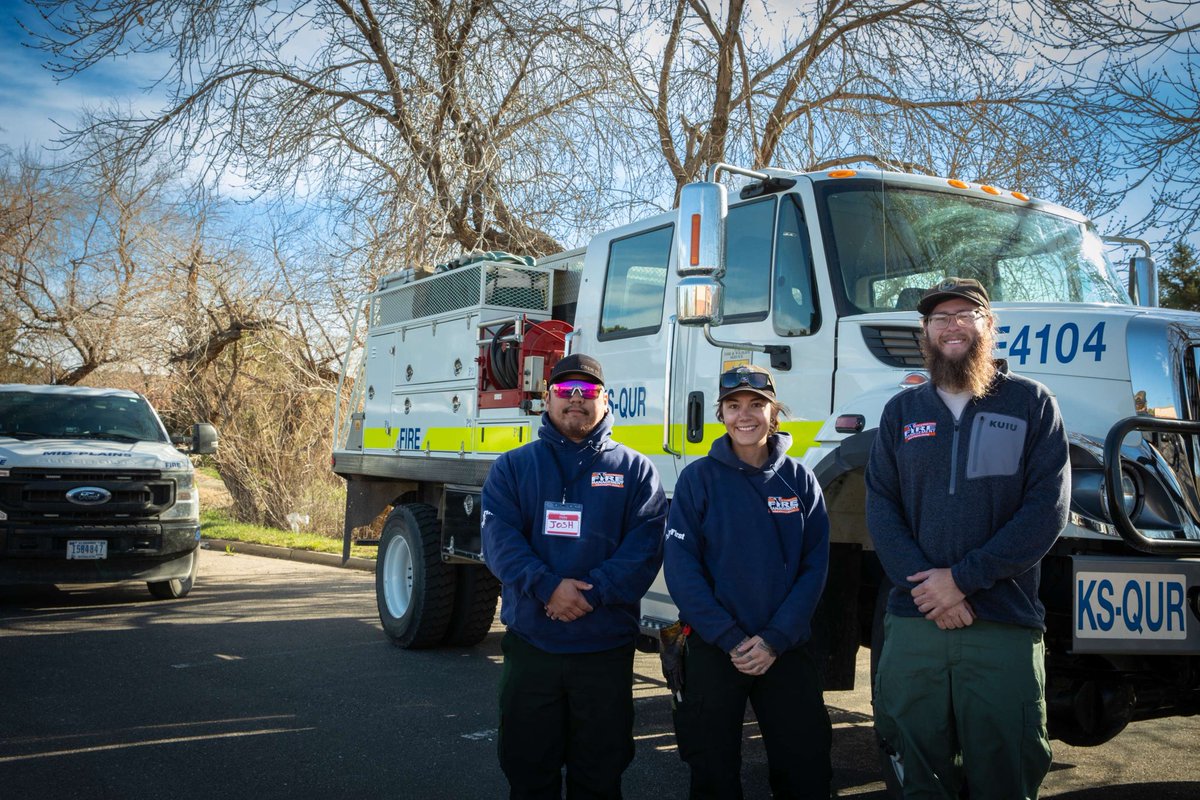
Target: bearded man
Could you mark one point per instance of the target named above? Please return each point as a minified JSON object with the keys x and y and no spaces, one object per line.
{"x":968,"y":487}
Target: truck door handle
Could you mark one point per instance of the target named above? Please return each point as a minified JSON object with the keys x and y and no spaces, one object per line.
{"x":695,"y":417}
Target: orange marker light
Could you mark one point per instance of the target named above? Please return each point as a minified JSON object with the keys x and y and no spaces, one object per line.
{"x":843,"y":173}
{"x":957,"y":184}
{"x":990,"y":189}
{"x":695,"y":260}
{"x":1020,"y":196}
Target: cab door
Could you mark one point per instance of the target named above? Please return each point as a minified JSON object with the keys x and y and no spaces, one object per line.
{"x":770,"y":301}
{"x":624,"y":320}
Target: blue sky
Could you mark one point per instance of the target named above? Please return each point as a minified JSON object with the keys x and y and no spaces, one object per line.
{"x":33,"y":104}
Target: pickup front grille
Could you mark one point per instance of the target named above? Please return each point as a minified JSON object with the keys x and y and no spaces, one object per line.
{"x":28,"y":495}
{"x":895,"y":346}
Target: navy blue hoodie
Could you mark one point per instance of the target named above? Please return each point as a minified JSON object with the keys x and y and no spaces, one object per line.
{"x":747,"y":548}
{"x":618,"y":551}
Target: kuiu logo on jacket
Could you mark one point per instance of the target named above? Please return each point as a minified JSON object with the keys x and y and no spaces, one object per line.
{"x":614,"y":480}
{"x":915,"y":430}
{"x":783,"y":505}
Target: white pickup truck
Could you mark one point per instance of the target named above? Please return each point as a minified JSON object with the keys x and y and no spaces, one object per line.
{"x":92,"y":490}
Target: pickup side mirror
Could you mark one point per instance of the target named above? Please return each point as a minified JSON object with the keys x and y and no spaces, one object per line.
{"x":204,"y":439}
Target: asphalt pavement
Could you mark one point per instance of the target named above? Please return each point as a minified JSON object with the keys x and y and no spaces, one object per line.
{"x":274,"y":680}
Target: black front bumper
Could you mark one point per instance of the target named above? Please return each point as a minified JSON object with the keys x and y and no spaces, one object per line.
{"x":140,"y":552}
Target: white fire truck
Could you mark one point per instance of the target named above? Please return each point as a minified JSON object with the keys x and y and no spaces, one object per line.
{"x":815,"y":275}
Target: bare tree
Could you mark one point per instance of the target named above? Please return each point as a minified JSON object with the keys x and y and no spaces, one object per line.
{"x":455,"y":118}
{"x":1156,"y":111}
{"x":77,"y":254}
{"x":982,"y":90}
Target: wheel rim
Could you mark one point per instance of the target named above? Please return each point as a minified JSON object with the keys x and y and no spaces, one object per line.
{"x":398,"y":577}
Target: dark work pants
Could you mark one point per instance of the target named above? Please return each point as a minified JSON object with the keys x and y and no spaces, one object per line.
{"x":791,"y":715}
{"x":573,"y":710}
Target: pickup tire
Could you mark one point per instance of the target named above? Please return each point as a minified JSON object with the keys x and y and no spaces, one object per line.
{"x":476,"y":590}
{"x":414,"y":588}
{"x":179,"y":587}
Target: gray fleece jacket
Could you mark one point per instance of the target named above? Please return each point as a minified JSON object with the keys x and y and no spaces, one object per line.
{"x":985,"y":496}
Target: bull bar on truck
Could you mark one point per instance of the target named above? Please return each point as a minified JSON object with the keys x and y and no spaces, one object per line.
{"x":1112,"y":471}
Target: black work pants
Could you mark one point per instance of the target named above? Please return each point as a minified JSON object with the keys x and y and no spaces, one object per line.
{"x":565,"y":709}
{"x":791,"y":715}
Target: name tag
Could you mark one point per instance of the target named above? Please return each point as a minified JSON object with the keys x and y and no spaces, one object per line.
{"x":563,"y":519}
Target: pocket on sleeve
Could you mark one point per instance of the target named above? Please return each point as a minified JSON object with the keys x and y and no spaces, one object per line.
{"x":997,"y":442}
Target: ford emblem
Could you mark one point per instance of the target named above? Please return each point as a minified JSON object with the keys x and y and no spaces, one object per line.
{"x":89,"y":495}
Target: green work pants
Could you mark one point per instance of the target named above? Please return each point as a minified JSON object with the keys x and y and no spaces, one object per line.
{"x":565,"y":709}
{"x":966,"y":704}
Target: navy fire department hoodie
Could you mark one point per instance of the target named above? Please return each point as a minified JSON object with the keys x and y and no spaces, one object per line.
{"x":618,"y":549}
{"x":747,"y":548}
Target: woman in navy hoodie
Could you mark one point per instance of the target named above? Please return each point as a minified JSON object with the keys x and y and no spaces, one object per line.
{"x":746,"y":553}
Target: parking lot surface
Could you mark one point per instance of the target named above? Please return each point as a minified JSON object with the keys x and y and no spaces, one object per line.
{"x":274,"y":680}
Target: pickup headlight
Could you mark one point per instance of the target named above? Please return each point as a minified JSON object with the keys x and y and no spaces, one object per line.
{"x":187,"y":497}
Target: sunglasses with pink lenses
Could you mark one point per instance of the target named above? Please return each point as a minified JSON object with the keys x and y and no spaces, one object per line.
{"x":565,"y":390}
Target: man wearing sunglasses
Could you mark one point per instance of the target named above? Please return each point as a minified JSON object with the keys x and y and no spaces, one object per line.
{"x":968,"y":487}
{"x":572,"y":527}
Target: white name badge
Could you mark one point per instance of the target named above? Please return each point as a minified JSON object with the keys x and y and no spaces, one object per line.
{"x":563,"y":519}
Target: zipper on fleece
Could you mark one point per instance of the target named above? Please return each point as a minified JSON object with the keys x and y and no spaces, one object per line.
{"x":954,"y":457}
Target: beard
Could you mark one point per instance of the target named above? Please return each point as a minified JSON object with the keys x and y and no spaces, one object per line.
{"x":972,"y":373}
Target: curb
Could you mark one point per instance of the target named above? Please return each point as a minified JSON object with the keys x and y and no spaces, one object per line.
{"x":289,"y":554}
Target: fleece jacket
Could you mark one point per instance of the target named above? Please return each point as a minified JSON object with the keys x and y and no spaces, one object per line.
{"x":985,"y":495}
{"x":747,"y":548}
{"x":618,"y":548}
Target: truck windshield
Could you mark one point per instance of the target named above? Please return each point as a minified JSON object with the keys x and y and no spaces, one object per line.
{"x":887,"y":244}
{"x":40,"y":415}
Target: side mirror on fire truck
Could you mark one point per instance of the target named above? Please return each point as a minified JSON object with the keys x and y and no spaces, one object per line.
{"x":1143,"y":281}
{"x":700,"y":259}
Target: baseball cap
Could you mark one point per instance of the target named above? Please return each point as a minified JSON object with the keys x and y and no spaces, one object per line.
{"x":747,"y":378}
{"x":577,"y":363}
{"x":966,"y":288}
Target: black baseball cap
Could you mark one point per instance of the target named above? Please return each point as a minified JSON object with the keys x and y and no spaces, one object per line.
{"x":577,"y":363}
{"x":966,"y":288}
{"x":747,"y":378}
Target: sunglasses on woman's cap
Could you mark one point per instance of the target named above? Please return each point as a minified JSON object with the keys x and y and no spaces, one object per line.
{"x":565,"y":390}
{"x":744,"y":377}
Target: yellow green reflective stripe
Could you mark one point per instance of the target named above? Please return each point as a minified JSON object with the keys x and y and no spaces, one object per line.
{"x":647,"y":439}
{"x":501,"y":438}
{"x":378,"y":439}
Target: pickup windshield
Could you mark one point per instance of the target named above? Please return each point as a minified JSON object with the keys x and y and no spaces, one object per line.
{"x":888,"y":243}
{"x":41,"y":415}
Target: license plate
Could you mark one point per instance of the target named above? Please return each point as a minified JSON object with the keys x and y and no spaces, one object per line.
{"x":87,"y":549}
{"x":1142,"y":606}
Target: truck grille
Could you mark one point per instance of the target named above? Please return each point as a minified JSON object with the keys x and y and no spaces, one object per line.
{"x":895,"y":346}
{"x":28,"y":495}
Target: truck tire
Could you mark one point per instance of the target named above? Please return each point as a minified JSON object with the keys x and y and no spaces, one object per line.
{"x":476,"y":590}
{"x":179,"y":587}
{"x":414,"y":588}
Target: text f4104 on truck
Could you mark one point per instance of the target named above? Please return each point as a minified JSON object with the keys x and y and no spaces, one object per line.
{"x":93,"y":491}
{"x":816,"y":275}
